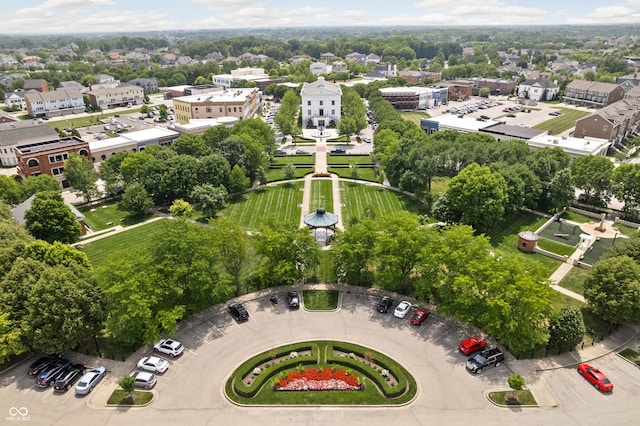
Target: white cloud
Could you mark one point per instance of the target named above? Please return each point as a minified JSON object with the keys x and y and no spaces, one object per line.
{"x":226,"y":4}
{"x":609,"y":14}
{"x":258,"y":16}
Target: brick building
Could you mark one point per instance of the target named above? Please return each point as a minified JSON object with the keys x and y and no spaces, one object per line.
{"x":613,"y":123}
{"x":592,"y":94}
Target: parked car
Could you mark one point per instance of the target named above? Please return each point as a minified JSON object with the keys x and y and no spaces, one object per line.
{"x":511,"y":115}
{"x":143,"y":379}
{"x":238,"y":311}
{"x":555,"y":113}
{"x":596,"y":377}
{"x":153,"y":363}
{"x":40,"y":364}
{"x":367,"y":140}
{"x":169,"y":347}
{"x":419,"y":316}
{"x":384,"y":304}
{"x":471,"y":345}
{"x":294,"y":301}
{"x":49,"y":375}
{"x":339,"y":151}
{"x":486,"y":358}
{"x":66,"y":380}
{"x":90,"y":379}
{"x":402,"y":309}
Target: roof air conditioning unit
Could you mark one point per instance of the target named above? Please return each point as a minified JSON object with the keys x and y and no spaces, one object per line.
{"x":555,"y":141}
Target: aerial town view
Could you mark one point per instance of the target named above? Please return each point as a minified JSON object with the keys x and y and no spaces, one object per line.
{"x":229,"y":212}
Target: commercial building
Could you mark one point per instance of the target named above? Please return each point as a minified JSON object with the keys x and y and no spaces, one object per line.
{"x":22,"y":133}
{"x":575,"y":147}
{"x":240,"y":103}
{"x":414,"y":98}
{"x":131,"y":142}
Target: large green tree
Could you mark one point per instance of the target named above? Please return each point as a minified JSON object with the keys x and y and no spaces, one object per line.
{"x":50,"y":219}
{"x":209,"y":199}
{"x":354,"y":253}
{"x":592,"y":173}
{"x":79,"y":171}
{"x":136,"y":199}
{"x":231,"y":242}
{"x":479,"y":195}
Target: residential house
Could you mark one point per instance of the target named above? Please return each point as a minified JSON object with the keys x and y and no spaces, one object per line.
{"x":633,"y":78}
{"x":592,"y":93}
{"x":538,"y":89}
{"x":19,"y":211}
{"x":415,"y":97}
{"x":214,"y":56}
{"x":149,"y":85}
{"x":7,"y":60}
{"x":15,"y":100}
{"x":633,"y":93}
{"x":39,"y":85}
{"x":418,"y":76}
{"x":317,"y":68}
{"x":296,"y":59}
{"x":382,"y":72}
{"x":359,"y":58}
{"x":48,"y":157}
{"x":613,"y":123}
{"x":54,"y":104}
{"x":338,"y":66}
{"x":240,"y":103}
{"x":116,"y":97}
{"x":372,"y":58}
{"x":72,"y":85}
{"x":321,"y":103}
{"x":20,"y":133}
{"x":328,"y":56}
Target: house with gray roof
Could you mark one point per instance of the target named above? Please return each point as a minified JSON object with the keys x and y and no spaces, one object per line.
{"x":593,"y":94}
{"x":541,"y":89}
{"x":613,"y":123}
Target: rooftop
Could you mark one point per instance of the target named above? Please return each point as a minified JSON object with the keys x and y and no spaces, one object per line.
{"x":49,"y":145}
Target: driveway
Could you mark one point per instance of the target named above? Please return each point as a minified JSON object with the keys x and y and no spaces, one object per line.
{"x":191,"y":391}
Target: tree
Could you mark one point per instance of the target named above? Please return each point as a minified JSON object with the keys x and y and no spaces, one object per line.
{"x":231,"y":242}
{"x":286,"y":252}
{"x":592,"y":173}
{"x":127,"y":383}
{"x":11,"y":342}
{"x":56,"y":254}
{"x":136,"y":199}
{"x":79,"y":171}
{"x":568,"y":330}
{"x":209,"y":199}
{"x":50,"y":219}
{"x":354,"y":253}
{"x":289,"y":171}
{"x":515,"y":381}
{"x":480,"y":196}
{"x":560,"y":190}
{"x":181,"y":208}
{"x":34,"y":184}
{"x":238,"y":181}
{"x":192,"y":145}
{"x":10,"y":190}
{"x":626,"y":185}
{"x":64,"y":306}
{"x":612,"y":289}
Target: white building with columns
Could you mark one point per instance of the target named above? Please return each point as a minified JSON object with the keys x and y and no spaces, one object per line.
{"x":320,"y":103}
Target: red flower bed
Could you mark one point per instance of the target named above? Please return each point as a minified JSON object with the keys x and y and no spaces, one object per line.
{"x":315,"y":379}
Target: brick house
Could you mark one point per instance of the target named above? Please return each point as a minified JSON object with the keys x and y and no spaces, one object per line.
{"x":39,"y":85}
{"x":613,"y":123}
{"x":592,"y":93}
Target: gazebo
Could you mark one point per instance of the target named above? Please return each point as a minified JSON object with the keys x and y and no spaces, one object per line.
{"x":324,"y":222}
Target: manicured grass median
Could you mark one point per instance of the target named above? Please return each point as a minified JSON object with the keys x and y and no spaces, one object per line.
{"x":120,"y":397}
{"x":320,"y":300}
{"x":524,"y":397}
{"x":321,"y":195}
{"x":364,"y":173}
{"x":357,"y":198}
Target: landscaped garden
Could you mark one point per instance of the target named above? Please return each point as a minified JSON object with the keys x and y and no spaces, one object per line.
{"x":321,"y":373}
{"x":358,"y":199}
{"x":321,"y":195}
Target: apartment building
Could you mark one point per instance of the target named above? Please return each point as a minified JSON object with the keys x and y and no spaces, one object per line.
{"x":116,"y":97}
{"x":240,"y":103}
{"x":54,"y":104}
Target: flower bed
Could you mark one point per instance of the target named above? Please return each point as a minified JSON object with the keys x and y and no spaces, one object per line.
{"x":314,"y":379}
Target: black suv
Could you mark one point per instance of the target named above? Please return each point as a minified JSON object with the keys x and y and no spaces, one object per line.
{"x":40,"y":364}
{"x":52,"y":373}
{"x":486,"y":358}
{"x":66,"y":380}
{"x":384,"y":304}
{"x":292,"y":298}
{"x":238,"y":312}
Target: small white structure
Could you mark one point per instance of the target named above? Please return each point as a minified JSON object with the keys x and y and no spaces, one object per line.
{"x":538,"y":89}
{"x":320,"y":103}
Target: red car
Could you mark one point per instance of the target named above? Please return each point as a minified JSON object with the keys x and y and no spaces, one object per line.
{"x":472,"y":345}
{"x":419,"y":316}
{"x":595,"y":377}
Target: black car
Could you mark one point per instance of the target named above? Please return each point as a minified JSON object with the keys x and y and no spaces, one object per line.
{"x":384,"y":304}
{"x":339,"y":151}
{"x":49,"y":375}
{"x":40,"y":364}
{"x":292,"y":298}
{"x":238,"y":311}
{"x":66,"y":380}
{"x":486,"y":358}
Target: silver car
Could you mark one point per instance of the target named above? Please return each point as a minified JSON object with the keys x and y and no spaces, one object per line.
{"x":90,"y":380}
{"x":144,"y":380}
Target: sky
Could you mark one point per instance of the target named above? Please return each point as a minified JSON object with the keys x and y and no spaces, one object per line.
{"x":79,"y":16}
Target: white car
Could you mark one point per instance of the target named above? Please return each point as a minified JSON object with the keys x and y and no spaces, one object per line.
{"x":402,"y":309}
{"x":153,"y":363}
{"x":169,"y":347}
{"x":143,"y":379}
{"x":90,"y":380}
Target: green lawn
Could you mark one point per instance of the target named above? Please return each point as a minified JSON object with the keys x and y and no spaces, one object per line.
{"x":92,"y":120}
{"x":414,"y":116}
{"x":439,"y":184}
{"x":524,"y":397}
{"x":577,"y":217}
{"x":294,"y":159}
{"x":364,"y":173}
{"x":321,"y":195}
{"x":563,"y":122}
{"x":556,"y":247}
{"x":325,"y":272}
{"x":142,"y":236}
{"x":574,"y":280}
{"x":356,"y":198}
{"x":120,"y":397}
{"x":320,"y":300}
{"x":107,"y":215}
{"x":333,"y":159}
{"x":274,"y":175}
{"x":279,"y":204}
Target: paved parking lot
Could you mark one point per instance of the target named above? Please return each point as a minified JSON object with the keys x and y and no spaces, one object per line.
{"x":191,"y":391}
